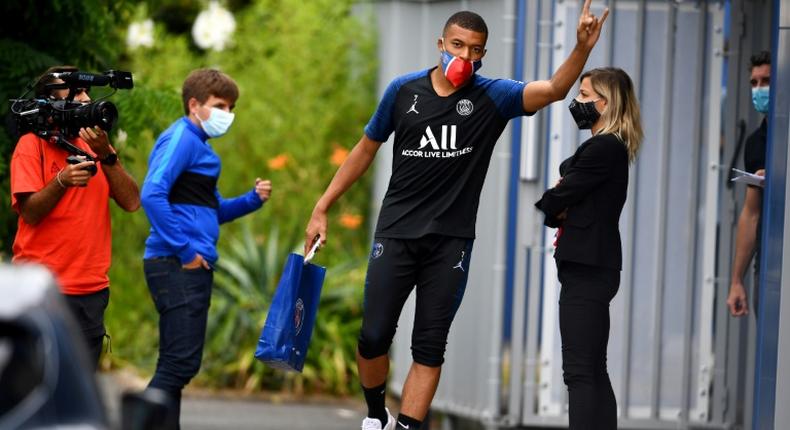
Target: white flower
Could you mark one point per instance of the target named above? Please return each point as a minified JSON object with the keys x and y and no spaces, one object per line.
{"x":213,"y":27}
{"x":120,"y":137}
{"x":140,"y":34}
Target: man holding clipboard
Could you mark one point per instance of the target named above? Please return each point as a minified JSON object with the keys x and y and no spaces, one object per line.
{"x":747,"y":240}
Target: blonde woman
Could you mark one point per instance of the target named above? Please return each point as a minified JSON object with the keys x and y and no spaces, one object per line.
{"x":585,"y":205}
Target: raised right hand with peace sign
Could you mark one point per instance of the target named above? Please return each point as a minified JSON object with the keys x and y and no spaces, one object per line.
{"x":539,"y":93}
{"x":589,"y":29}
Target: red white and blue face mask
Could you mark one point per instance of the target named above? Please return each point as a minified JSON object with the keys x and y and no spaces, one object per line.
{"x":458,"y":71}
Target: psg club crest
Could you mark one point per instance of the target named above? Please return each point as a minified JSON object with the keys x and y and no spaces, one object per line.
{"x":377,"y":250}
{"x":298,"y":315}
{"x":464,"y":107}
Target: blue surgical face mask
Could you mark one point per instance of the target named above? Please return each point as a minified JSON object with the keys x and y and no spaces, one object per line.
{"x":760,"y":98}
{"x":218,"y":122}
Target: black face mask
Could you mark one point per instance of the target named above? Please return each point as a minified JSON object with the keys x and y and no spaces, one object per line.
{"x":584,"y":113}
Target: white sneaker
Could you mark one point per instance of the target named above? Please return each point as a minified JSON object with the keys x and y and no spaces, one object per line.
{"x":375,"y":424}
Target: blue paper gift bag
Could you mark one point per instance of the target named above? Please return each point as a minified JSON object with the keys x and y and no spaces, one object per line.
{"x":289,"y":325}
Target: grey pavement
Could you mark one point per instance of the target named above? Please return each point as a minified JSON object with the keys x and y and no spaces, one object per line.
{"x":205,"y":414}
{"x":202,"y":412}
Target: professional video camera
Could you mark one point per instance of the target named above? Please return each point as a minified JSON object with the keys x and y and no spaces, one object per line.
{"x":60,"y":119}
{"x":67,"y":116}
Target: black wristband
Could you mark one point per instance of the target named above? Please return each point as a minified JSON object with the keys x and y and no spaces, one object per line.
{"x":110,"y":159}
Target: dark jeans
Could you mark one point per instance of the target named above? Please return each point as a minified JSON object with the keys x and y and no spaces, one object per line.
{"x":182,"y":298}
{"x":88,"y":310}
{"x":584,"y":327}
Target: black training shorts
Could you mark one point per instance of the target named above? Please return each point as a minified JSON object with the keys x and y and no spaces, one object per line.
{"x":438,"y":266}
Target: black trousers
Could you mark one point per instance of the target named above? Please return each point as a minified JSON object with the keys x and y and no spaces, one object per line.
{"x":88,"y":310}
{"x":584,"y":327}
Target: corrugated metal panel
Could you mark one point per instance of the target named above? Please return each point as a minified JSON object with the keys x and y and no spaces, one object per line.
{"x":663,"y":340}
{"x":660,"y":352}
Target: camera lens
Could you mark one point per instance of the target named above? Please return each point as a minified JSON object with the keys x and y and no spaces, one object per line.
{"x":103,"y":113}
{"x":106,"y":114}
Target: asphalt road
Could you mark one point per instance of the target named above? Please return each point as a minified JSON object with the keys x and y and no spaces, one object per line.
{"x":205,"y":412}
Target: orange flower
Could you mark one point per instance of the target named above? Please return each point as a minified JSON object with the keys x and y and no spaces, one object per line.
{"x":278,"y":162}
{"x":339,"y":155}
{"x":351,"y":221}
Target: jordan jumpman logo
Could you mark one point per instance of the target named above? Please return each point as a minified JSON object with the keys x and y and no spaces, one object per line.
{"x":460,"y":264}
{"x":413,"y":107}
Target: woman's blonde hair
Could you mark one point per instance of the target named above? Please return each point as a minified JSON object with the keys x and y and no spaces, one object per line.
{"x":621,"y":116}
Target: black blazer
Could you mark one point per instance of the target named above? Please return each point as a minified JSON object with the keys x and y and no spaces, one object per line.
{"x":593,"y":189}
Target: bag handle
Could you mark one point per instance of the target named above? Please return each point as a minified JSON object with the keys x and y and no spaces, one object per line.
{"x":313,"y":250}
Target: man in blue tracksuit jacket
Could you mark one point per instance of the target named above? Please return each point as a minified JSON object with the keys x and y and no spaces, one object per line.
{"x":185,"y":209}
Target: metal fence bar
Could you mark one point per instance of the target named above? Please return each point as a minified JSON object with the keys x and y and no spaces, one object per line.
{"x":685,"y":401}
{"x":661,"y":242}
{"x":728,"y":378}
{"x":531,"y":384}
{"x":782,"y":133}
{"x":715,"y":14}
{"x":554,"y":157}
{"x":530,"y":154}
{"x":631,"y":222}
{"x":522,"y":305}
{"x":539,"y":16}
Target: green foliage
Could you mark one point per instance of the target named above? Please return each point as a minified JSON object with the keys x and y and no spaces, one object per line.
{"x":307,"y":88}
{"x":19,"y":63}
{"x":176,"y":15}
{"x":81,"y":32}
{"x":306,"y":77}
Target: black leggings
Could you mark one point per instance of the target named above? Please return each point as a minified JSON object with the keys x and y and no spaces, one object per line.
{"x":584,"y":327}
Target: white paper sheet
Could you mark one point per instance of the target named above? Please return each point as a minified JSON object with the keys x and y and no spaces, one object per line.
{"x":748,"y":178}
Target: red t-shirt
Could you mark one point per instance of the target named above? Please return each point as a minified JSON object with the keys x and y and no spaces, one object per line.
{"x":73,"y":240}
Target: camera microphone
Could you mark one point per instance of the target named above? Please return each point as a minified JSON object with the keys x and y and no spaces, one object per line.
{"x":81,"y":79}
{"x":114,"y":78}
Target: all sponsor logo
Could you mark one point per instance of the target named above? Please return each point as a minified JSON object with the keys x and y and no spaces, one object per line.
{"x":445,"y":146}
{"x":429,"y":138}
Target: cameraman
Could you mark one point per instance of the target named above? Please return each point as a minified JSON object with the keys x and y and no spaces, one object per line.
{"x":64,"y":216}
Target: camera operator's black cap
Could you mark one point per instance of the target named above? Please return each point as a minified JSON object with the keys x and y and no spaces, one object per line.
{"x":40,"y":88}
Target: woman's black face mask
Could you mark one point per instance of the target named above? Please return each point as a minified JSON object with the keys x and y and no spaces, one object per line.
{"x":584,"y":113}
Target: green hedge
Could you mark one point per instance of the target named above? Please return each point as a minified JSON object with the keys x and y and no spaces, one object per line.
{"x":306,"y":73}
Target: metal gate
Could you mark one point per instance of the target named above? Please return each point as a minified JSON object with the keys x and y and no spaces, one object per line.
{"x":669,"y":339}
{"x":661,"y":344}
